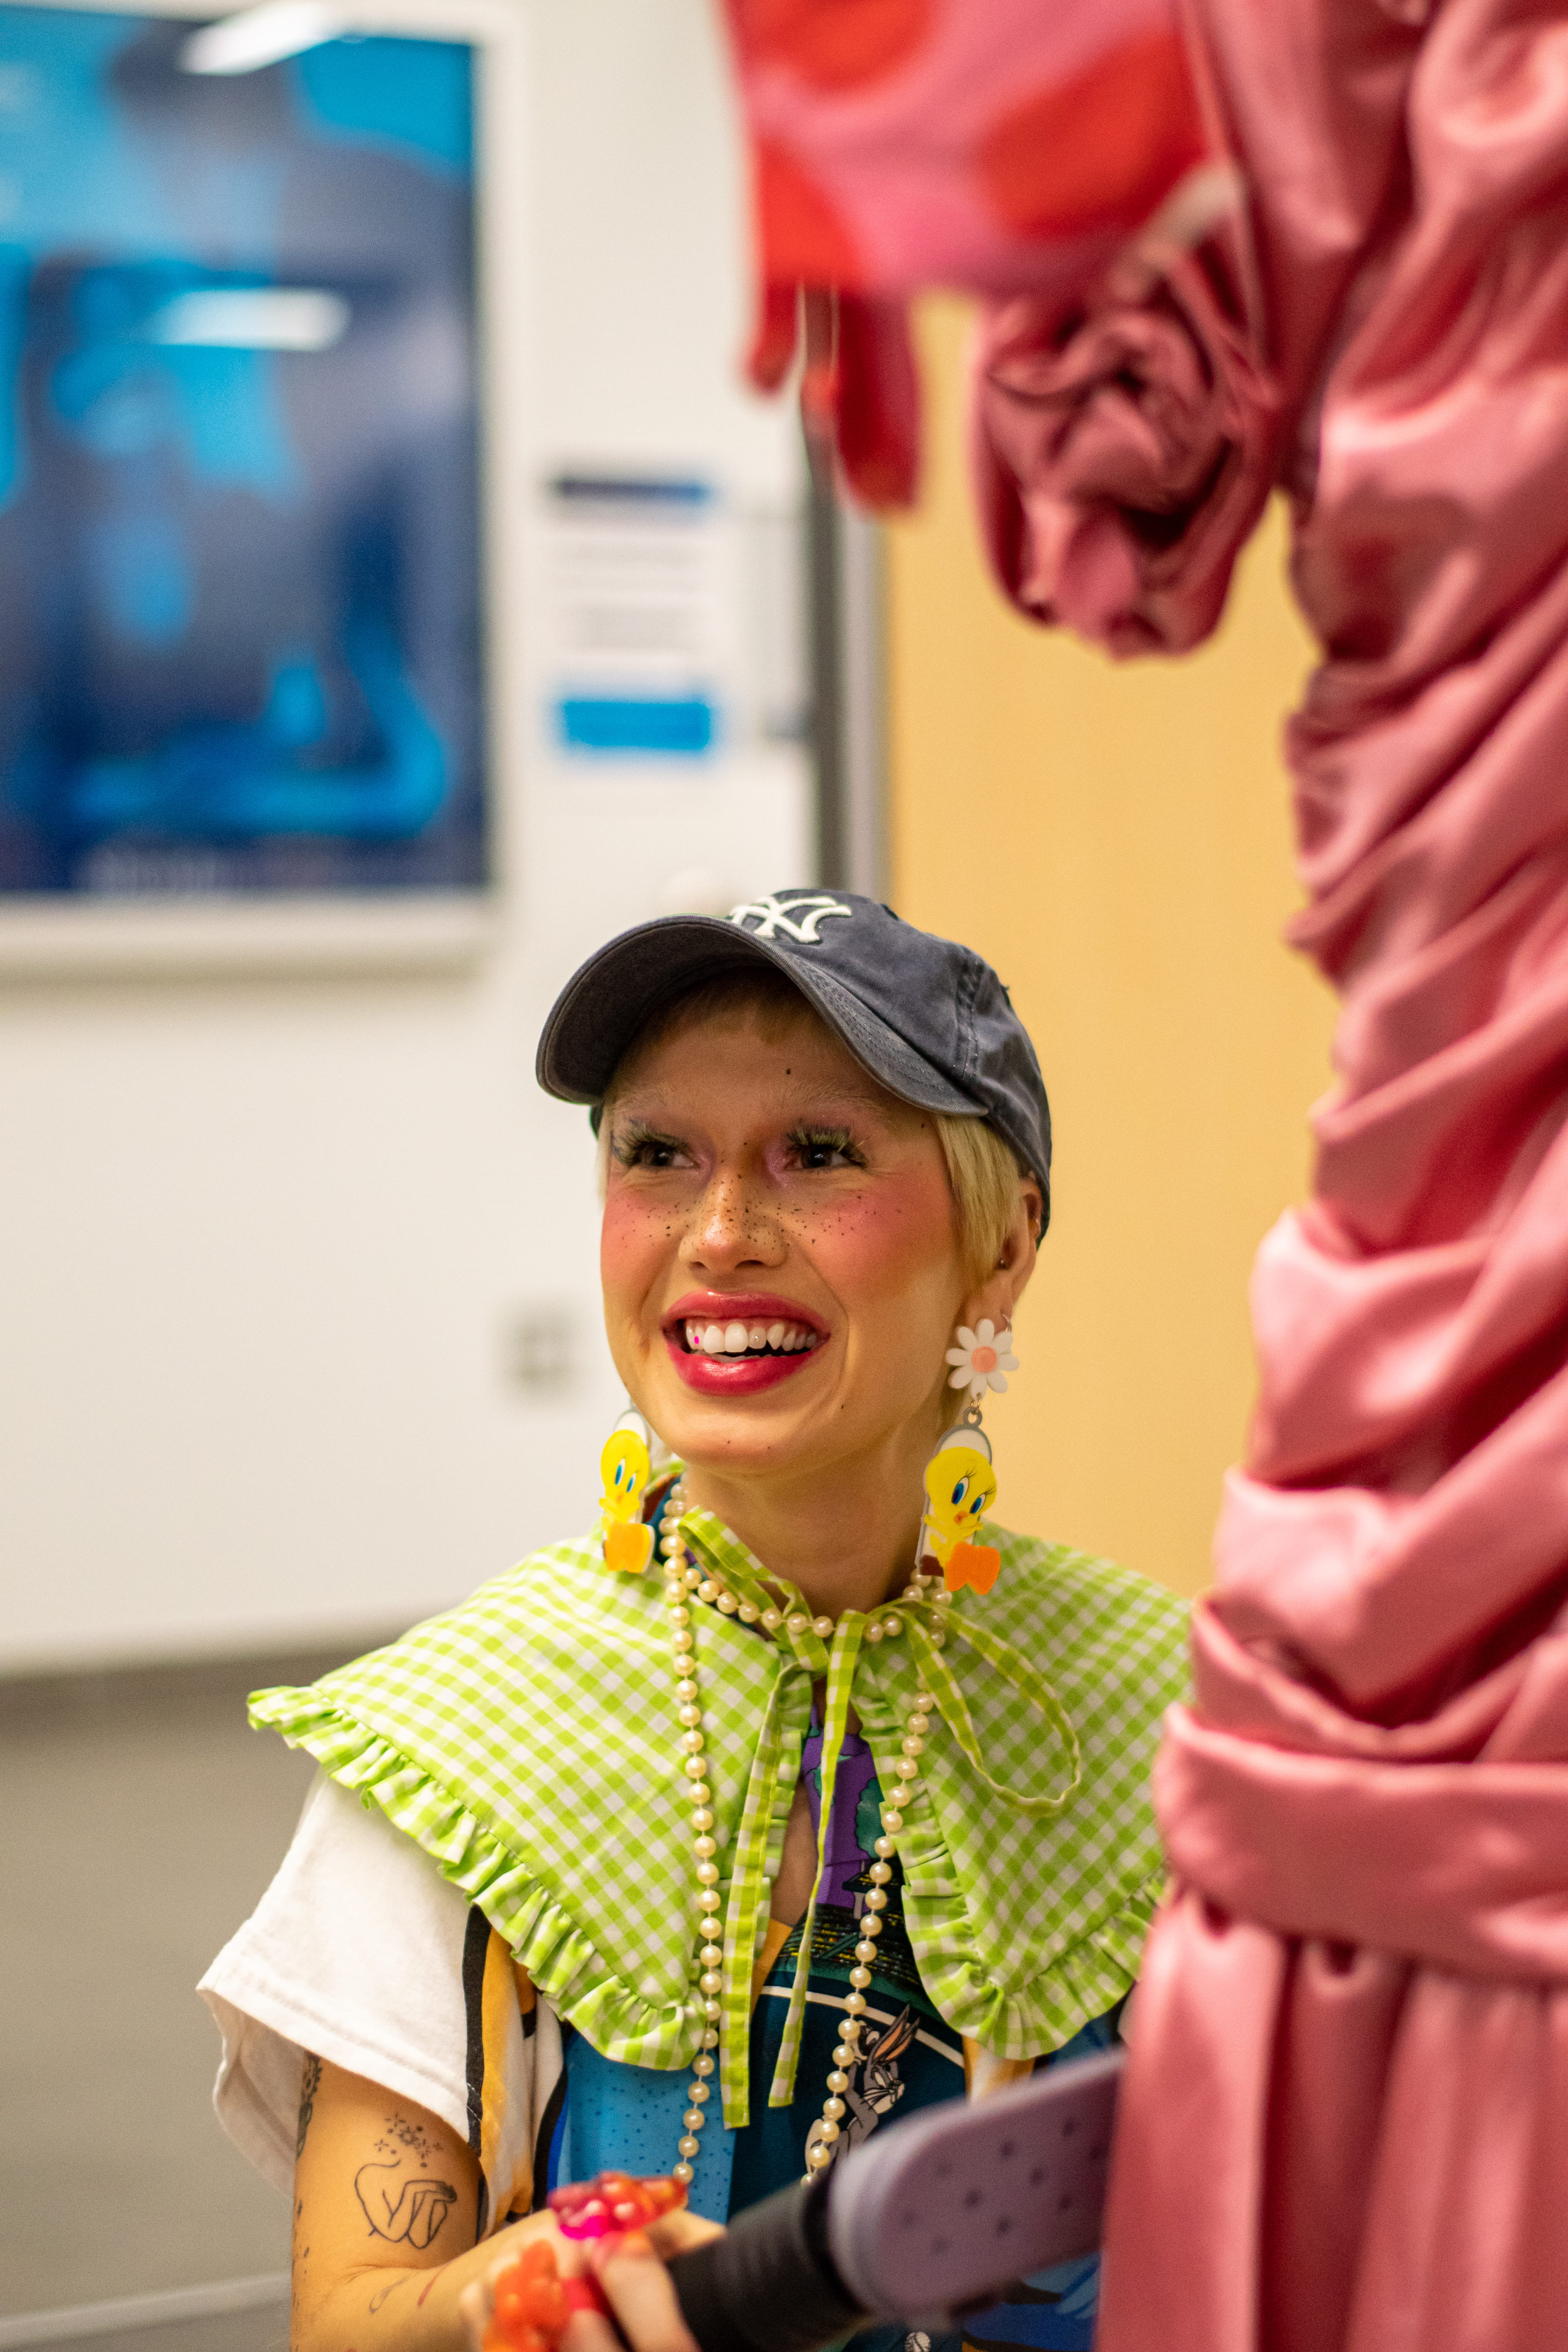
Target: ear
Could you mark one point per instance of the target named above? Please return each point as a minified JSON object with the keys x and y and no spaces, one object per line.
{"x":996,"y":1297}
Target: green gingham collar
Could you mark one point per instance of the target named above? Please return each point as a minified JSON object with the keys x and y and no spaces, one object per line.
{"x":528,"y":1741}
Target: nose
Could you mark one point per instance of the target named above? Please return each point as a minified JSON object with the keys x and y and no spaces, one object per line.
{"x":731,"y":1227}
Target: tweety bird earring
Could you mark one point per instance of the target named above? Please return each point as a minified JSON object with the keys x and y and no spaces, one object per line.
{"x":625,"y":1466}
{"x":961,"y":1487}
{"x":959,"y":1481}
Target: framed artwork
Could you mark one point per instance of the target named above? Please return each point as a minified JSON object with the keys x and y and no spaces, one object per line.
{"x":242,"y":624}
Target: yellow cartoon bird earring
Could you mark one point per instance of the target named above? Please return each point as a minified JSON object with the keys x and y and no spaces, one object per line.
{"x":625,"y":1466}
{"x":960,"y":1482}
{"x":961,"y":1487}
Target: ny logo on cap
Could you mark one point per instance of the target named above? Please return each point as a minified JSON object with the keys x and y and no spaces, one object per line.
{"x":798,"y":917}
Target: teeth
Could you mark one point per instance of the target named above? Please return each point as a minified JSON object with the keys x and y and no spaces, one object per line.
{"x":749,"y":1338}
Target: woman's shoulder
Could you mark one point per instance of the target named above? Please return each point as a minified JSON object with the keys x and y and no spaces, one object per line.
{"x":563,"y":1580}
{"x":555,"y":1614}
{"x":1060,"y":1571}
{"x":1082,"y":1618}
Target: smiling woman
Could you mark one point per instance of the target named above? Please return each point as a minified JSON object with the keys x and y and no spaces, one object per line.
{"x":844,"y":1813}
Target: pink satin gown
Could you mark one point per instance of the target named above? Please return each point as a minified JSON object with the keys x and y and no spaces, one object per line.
{"x":1346,"y":2116}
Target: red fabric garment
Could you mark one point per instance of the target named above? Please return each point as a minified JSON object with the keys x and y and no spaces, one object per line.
{"x":898,"y":144}
{"x":1345,"y":2126}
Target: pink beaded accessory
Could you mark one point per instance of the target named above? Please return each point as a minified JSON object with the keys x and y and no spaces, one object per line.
{"x":612,"y":2202}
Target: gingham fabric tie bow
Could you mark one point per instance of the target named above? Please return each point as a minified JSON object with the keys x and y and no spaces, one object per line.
{"x":928,"y":1626}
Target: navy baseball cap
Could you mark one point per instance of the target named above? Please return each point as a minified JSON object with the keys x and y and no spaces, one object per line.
{"x":928,"y":1018}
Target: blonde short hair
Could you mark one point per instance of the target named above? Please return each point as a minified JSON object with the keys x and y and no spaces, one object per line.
{"x":983,"y":1171}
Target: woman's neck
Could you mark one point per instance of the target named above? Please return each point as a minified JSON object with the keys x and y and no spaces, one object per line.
{"x":846,"y":1535}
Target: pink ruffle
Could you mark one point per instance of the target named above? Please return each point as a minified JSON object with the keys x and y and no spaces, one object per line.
{"x":1463,"y":1866}
{"x":1121,"y":458}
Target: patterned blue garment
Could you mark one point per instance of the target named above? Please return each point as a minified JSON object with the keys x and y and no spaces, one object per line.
{"x":629,"y":2117}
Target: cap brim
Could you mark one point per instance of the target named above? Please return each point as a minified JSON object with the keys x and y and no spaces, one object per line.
{"x":604,"y":1005}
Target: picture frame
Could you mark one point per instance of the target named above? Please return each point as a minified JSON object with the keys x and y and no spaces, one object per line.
{"x":257,"y":720}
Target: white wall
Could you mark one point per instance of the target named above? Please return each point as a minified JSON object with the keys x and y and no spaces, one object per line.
{"x":263,"y":1241}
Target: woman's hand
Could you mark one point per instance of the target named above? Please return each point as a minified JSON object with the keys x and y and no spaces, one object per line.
{"x":630,"y":2274}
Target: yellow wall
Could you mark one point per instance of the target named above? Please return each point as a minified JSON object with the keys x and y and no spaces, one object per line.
{"x":1114,"y":838}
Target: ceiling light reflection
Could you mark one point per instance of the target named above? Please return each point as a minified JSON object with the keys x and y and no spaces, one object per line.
{"x":259,"y":36}
{"x":254,"y":317}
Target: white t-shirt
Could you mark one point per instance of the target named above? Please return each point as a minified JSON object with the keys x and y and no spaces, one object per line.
{"x":355,"y":1952}
{"x":360,"y":1953}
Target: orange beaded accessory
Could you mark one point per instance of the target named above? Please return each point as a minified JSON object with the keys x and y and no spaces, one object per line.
{"x":529,"y":2304}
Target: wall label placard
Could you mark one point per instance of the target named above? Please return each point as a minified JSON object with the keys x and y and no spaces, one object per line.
{"x":640,"y":615}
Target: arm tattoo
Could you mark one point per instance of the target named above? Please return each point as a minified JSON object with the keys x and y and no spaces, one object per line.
{"x":309,"y":2084}
{"x":413,"y":2216}
{"x":403,"y":2211}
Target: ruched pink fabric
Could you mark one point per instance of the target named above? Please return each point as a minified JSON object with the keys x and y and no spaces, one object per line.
{"x":1347,"y":2120}
{"x":1345,"y":2126}
{"x":1122,"y":464}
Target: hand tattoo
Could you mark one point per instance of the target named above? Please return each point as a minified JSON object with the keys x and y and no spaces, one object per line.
{"x":309,"y":2084}
{"x":417,"y":2213}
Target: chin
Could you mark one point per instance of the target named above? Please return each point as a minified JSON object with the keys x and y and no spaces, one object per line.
{"x":736,"y":1433}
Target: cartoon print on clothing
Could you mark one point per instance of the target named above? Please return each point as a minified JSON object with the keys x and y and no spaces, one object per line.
{"x":875,"y":2086}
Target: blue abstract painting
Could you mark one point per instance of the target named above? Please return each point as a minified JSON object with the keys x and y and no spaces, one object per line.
{"x":239,"y":564}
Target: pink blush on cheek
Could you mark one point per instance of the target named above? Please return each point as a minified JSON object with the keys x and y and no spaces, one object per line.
{"x":636,"y":1241}
{"x":877,"y":1239}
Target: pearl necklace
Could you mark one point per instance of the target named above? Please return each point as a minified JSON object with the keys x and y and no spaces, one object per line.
{"x":682,"y":1580}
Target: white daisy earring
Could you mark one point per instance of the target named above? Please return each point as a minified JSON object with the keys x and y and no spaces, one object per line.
{"x":982,"y":1359}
